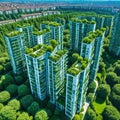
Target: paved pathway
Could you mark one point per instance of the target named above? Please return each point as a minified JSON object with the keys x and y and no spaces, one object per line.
{"x":87,"y":103}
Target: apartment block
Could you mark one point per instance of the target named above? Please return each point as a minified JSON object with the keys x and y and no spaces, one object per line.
{"x":78,"y":30}
{"x":91,"y":49}
{"x":57,"y":67}
{"x":76,"y":87}
{"x":28,"y":34}
{"x":15,"y":46}
{"x":115,"y":40}
{"x":37,"y":68}
{"x":56,"y":31}
{"x":61,"y":20}
{"x":42,"y":37}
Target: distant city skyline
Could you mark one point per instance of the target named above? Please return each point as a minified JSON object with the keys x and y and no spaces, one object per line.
{"x":52,"y":0}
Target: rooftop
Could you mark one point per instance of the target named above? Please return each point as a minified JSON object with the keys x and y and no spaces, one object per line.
{"x":83,"y":21}
{"x":93,"y":14}
{"x":59,"y":18}
{"x":24,"y":25}
{"x":58,"y":55}
{"x":55,"y":24}
{"x":93,"y":35}
{"x":41,"y":32}
{"x":14,"y":33}
{"x":41,"y":49}
{"x":79,"y":65}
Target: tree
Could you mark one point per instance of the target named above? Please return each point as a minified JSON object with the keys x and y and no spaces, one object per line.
{"x":49,"y":112}
{"x":66,"y":32}
{"x":24,"y":116}
{"x":1,"y":68}
{"x":56,"y":112}
{"x":99,"y":117}
{"x":54,"y":43}
{"x":49,"y":48}
{"x":26,"y":101}
{"x":51,"y":106}
{"x":91,"y":87}
{"x":112,"y":79}
{"x":41,"y":115}
{"x":116,"y":89}
{"x":1,"y":106}
{"x":115,"y":96}
{"x":90,"y":114}
{"x":76,"y":117}
{"x":7,"y":113}
{"x":33,"y":108}
{"x":103,"y":91}
{"x":75,"y":56}
{"x":14,"y":104}
{"x":4,"y":96}
{"x":111,"y":113}
{"x":90,"y":96}
{"x":12,"y":89}
{"x":1,"y":86}
{"x":19,"y":80}
{"x":117,"y":69}
{"x":23,"y":90}
{"x":6,"y":80}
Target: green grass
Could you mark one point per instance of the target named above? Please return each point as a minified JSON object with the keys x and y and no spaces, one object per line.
{"x":99,"y":105}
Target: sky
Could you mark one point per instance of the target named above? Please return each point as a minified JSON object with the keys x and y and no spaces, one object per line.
{"x":50,"y":0}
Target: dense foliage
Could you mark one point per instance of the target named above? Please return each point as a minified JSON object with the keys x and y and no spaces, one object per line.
{"x":16,"y":87}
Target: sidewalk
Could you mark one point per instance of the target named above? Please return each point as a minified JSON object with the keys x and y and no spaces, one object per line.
{"x":87,"y":103}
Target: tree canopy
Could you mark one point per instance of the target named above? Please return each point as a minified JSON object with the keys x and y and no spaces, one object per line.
{"x":7,"y":113}
{"x":4,"y":96}
{"x":15,"y":104}
{"x":103,"y":91}
{"x":23,"y":90}
{"x":111,"y":113}
{"x":41,"y":115}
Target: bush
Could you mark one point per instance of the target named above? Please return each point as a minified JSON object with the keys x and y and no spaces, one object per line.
{"x":116,"y":89}
{"x":117,"y":69}
{"x":24,"y":116}
{"x":1,"y":68}
{"x":1,"y":86}
{"x":33,"y":108}
{"x":57,"y":112}
{"x":41,"y":115}
{"x":75,"y":56}
{"x":90,"y":114}
{"x":99,"y":117}
{"x":76,"y":117}
{"x":4,"y":96}
{"x":7,"y":113}
{"x":12,"y":89}
{"x":1,"y":106}
{"x":90,"y":96}
{"x":6,"y":80}
{"x":15,"y":104}
{"x":51,"y":106}
{"x":91,"y":87}
{"x":19,"y":80}
{"x":23,"y":90}
{"x":8,"y":67}
{"x":49,"y":112}
{"x":26,"y":101}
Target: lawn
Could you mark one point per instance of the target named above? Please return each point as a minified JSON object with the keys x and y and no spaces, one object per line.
{"x":99,"y":105}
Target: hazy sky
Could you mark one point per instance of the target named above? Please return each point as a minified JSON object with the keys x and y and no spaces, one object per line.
{"x":51,"y":0}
